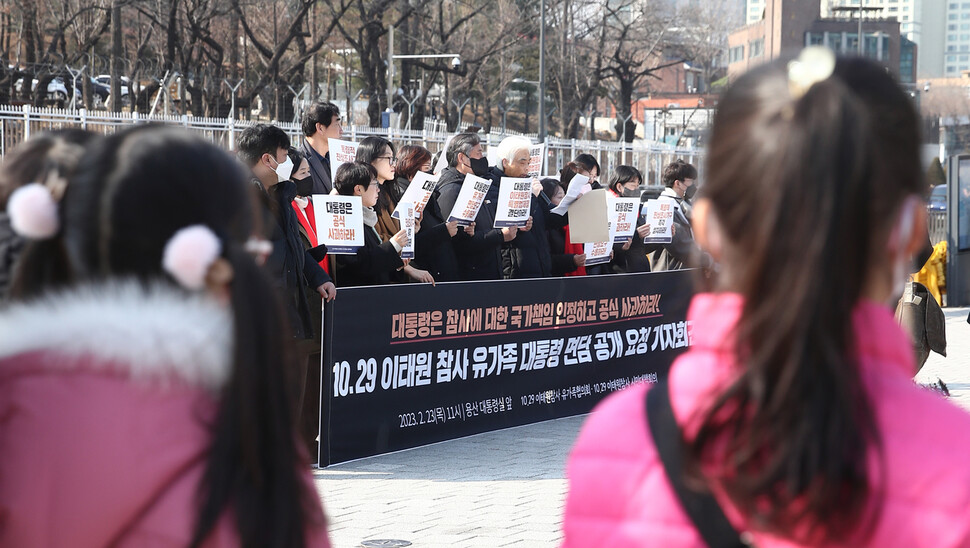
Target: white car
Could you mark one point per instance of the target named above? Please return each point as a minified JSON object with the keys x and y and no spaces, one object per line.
{"x":56,"y":90}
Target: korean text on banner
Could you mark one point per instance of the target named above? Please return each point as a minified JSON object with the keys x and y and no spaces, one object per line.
{"x":451,"y":360}
{"x":407,"y":224}
{"x":623,"y":215}
{"x":417,"y":193}
{"x":470,"y":199}
{"x":536,"y":157}
{"x":514,"y":202}
{"x":340,"y":223}
{"x":660,"y":218}
{"x":341,"y":152}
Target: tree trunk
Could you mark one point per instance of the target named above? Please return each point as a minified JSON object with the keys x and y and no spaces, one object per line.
{"x":116,"y":41}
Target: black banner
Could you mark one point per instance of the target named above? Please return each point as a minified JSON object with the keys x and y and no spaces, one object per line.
{"x":407,"y":365}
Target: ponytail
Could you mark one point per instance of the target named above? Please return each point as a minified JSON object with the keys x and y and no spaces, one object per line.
{"x":254,"y":465}
{"x":788,"y":440}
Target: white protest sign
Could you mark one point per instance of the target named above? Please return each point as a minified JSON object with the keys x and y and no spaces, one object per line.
{"x":341,"y":152}
{"x":599,"y":252}
{"x":536,"y":157}
{"x":623,"y":215}
{"x":407,"y":224}
{"x":470,"y":199}
{"x":660,"y":218}
{"x":577,"y":187}
{"x":340,"y":222}
{"x":417,"y":193}
{"x":443,"y":157}
{"x":514,"y":202}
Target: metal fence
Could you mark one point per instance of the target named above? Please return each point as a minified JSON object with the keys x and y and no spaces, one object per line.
{"x":17,"y":123}
{"x":937,"y":226}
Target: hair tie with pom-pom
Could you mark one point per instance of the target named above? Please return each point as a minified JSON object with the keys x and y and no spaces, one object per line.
{"x":189,"y":254}
{"x":814,"y":64}
{"x":33,"y":212}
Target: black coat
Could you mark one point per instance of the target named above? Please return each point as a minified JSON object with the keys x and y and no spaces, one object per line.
{"x":375,"y":263}
{"x":527,"y":255}
{"x":319,"y":170}
{"x":290,"y":265}
{"x":433,"y":250}
{"x":479,"y":256}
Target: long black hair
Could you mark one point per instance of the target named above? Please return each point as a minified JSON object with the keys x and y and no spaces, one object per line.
{"x":805,"y":189}
{"x":130,"y":194}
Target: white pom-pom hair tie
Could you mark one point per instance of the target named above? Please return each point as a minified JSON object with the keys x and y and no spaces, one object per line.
{"x":33,"y":212}
{"x":189,"y":254}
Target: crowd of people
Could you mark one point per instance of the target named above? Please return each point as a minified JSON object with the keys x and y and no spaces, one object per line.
{"x":161,"y":303}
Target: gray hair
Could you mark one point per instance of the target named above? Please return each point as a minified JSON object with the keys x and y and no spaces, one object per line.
{"x":462,"y":143}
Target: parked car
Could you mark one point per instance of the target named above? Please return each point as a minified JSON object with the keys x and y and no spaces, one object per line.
{"x":105,"y":80}
{"x":99,"y":91}
{"x":937,"y":201}
{"x":56,"y":90}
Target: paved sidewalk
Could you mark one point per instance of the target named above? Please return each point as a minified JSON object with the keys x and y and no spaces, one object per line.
{"x":953,"y":370}
{"x":505,"y":488}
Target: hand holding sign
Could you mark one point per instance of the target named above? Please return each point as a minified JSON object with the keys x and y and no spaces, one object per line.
{"x":340,"y":223}
{"x":417,"y":193}
{"x":470,"y":199}
{"x":514,"y":202}
{"x":660,"y":218}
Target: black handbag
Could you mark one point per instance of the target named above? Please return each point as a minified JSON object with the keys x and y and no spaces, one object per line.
{"x":701,"y":507}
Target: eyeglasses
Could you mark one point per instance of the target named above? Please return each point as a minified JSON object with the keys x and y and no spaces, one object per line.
{"x":390,"y":159}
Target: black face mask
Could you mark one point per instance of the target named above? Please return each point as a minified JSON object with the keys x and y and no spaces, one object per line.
{"x":691,"y":190}
{"x":628,"y":193}
{"x":304,"y":187}
{"x":479,"y":166}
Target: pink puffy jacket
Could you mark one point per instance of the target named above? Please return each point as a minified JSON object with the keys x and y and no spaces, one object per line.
{"x":106,"y":394}
{"x":619,"y":495}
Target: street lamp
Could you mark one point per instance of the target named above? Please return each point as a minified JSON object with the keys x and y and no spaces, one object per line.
{"x":455,"y":63}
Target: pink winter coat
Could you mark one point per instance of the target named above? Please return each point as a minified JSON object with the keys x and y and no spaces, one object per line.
{"x":619,"y":495}
{"x":105,"y":396}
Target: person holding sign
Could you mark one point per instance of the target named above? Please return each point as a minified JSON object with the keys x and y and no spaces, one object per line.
{"x":527,"y":255}
{"x":320,"y":123}
{"x":478,"y":246}
{"x":563,"y":263}
{"x":680,"y":179}
{"x":379,"y":153}
{"x":631,"y":254}
{"x":375,"y":263}
{"x":433,"y":250}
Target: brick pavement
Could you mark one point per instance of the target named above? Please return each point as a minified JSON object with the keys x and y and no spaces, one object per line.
{"x":505,"y":488}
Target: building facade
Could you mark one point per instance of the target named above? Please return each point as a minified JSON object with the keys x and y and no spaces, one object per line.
{"x":790,"y":25}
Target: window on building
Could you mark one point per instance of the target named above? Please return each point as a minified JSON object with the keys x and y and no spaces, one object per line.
{"x":965,"y":5}
{"x":951,"y":37}
{"x":815,"y":39}
{"x":965,"y":26}
{"x":952,"y":17}
{"x":951,"y":26}
{"x":951,"y":68}
{"x":964,"y":48}
{"x":951,"y":58}
{"x":756,"y":48}
{"x":951,"y":48}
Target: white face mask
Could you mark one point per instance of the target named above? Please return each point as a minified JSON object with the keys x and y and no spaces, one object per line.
{"x":284,"y":169}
